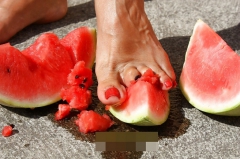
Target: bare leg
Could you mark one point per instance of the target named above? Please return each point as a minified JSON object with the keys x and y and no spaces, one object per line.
{"x":17,"y":14}
{"x":126,"y":47}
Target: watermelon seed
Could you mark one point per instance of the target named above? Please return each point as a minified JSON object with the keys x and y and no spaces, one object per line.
{"x":137,"y":77}
{"x":12,"y":125}
{"x":77,"y":76}
{"x":84,"y":80}
{"x":8,"y":70}
{"x":81,"y":85}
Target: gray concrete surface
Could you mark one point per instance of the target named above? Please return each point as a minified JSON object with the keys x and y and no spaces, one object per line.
{"x":188,"y":133}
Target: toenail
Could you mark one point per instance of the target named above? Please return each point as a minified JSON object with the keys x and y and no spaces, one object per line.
{"x":112,"y":92}
{"x":168,"y":84}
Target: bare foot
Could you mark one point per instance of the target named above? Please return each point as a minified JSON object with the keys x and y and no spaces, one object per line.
{"x":17,"y":14}
{"x":126,"y":47}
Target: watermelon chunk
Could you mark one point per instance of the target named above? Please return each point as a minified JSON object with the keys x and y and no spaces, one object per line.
{"x":90,"y":121}
{"x":146,"y":103}
{"x":80,"y":76}
{"x":63,"y":111}
{"x":79,"y":80}
{"x":35,"y":76}
{"x":210,"y":76}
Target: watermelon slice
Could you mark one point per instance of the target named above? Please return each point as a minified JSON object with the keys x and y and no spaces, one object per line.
{"x":210,"y":74}
{"x":146,"y":103}
{"x":35,"y":76}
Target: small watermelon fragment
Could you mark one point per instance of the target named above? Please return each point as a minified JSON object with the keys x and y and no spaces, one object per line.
{"x":63,"y":111}
{"x":146,"y":103}
{"x":80,"y":76}
{"x":210,"y":76}
{"x":7,"y":131}
{"x":90,"y":121}
{"x":77,"y":97}
{"x":28,"y":78}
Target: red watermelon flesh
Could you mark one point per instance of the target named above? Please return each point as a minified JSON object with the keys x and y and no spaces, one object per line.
{"x":90,"y":121}
{"x":210,"y":75}
{"x":35,"y":76}
{"x":81,"y":43}
{"x":80,"y":76}
{"x":26,"y":80}
{"x":146,"y":103}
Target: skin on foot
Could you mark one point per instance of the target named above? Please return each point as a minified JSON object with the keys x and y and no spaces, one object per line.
{"x":17,"y":14}
{"x":126,"y":47}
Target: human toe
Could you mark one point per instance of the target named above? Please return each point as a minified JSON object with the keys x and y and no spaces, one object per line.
{"x":111,"y":91}
{"x":130,"y":74}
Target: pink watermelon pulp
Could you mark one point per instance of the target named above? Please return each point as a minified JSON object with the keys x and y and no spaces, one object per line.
{"x":82,"y":44}
{"x":146,"y":103}
{"x":35,"y":76}
{"x":210,"y":75}
{"x":78,"y":97}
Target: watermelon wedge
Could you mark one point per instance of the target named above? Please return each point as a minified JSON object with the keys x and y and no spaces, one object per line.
{"x":35,"y":76}
{"x":146,"y":103}
{"x":210,"y":76}
{"x":81,"y":43}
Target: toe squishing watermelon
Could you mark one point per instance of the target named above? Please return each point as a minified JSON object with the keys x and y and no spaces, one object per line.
{"x":34,"y":77}
{"x":211,"y":73}
{"x":146,"y":103}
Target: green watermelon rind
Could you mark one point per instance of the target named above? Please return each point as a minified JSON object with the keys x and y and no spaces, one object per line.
{"x":20,"y":104}
{"x":144,"y":118}
{"x":140,"y":120}
{"x":229,"y":108}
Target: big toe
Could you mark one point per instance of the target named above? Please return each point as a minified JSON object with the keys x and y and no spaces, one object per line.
{"x":111,"y":91}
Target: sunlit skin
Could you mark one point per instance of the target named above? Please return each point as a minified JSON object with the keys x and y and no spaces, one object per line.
{"x":126,"y":43}
{"x":126,"y":47}
{"x":17,"y":14}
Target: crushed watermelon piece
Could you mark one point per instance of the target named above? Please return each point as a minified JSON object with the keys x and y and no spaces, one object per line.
{"x":80,"y":76}
{"x":76,"y":94}
{"x":90,"y":121}
{"x":151,"y":77}
{"x":7,"y":131}
{"x":63,"y":111}
{"x":77,"y":97}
